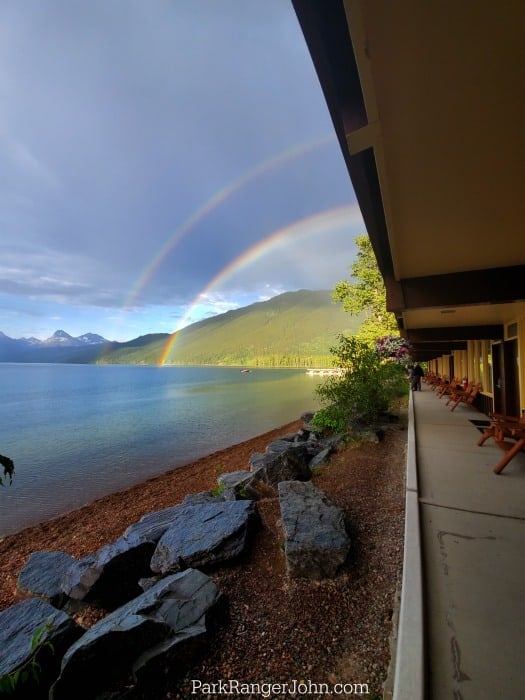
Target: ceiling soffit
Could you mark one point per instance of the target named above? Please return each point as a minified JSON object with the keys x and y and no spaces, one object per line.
{"x":426,"y":103}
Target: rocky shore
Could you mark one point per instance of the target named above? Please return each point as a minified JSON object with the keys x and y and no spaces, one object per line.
{"x":279,"y":632}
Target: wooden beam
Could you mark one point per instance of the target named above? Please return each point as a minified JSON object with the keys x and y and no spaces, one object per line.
{"x":440,"y":348}
{"x":451,"y":333}
{"x":496,"y":285}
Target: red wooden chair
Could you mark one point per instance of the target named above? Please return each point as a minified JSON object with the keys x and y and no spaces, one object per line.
{"x":502,"y":429}
{"x":465,"y":396}
{"x":448,"y":388}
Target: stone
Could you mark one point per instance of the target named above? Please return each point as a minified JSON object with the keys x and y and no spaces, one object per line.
{"x":109,"y":577}
{"x":18,"y":625}
{"x":280,"y":445}
{"x":316,"y":542}
{"x":42,"y":575}
{"x":320,"y":458}
{"x":256,"y":489}
{"x":204,"y":534}
{"x":289,"y":465}
{"x":140,"y":642}
{"x":200,"y":497}
{"x":234,"y":483}
{"x":150,"y":527}
{"x":256,"y":460}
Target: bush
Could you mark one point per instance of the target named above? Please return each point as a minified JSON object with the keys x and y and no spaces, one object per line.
{"x":329,"y":419}
{"x":365,"y":389}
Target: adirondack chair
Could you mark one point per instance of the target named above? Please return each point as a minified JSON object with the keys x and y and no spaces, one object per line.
{"x":459,"y":390}
{"x":518,"y":434}
{"x":502,"y":429}
{"x":465,"y":396}
{"x":448,"y":388}
{"x":432,"y":379}
{"x":439,"y":383}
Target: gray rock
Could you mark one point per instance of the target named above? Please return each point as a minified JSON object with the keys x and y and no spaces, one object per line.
{"x":18,"y":625}
{"x":289,"y":465}
{"x":256,"y":460}
{"x":235,"y":482}
{"x":201,"y":497}
{"x":256,"y":490}
{"x":110,"y":576}
{"x":333,"y":441}
{"x":140,"y":640}
{"x":320,"y":458}
{"x":316,"y":543}
{"x":41,"y":576}
{"x":150,"y":527}
{"x":204,"y":534}
{"x":281,"y":445}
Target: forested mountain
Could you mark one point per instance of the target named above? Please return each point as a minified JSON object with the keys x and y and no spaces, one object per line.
{"x":295,"y":329}
{"x":292,"y":329}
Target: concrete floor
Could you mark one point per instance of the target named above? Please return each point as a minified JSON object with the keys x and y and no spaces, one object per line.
{"x":473,"y":545}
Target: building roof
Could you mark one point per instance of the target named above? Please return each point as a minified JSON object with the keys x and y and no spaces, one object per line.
{"x":428,"y":104}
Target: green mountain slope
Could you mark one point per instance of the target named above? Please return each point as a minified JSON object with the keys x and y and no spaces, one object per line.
{"x":295,"y":329}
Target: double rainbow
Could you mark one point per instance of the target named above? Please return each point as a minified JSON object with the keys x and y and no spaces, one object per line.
{"x":330,"y":220}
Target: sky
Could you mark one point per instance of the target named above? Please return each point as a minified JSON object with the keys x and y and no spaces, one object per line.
{"x":161,"y":162}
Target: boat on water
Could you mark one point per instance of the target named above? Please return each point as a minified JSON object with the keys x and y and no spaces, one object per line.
{"x":245,"y":371}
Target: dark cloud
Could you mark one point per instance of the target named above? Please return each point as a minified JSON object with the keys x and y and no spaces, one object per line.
{"x":118,"y":126}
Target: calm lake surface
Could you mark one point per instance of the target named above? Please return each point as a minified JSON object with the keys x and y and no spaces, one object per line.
{"x":79,"y":432}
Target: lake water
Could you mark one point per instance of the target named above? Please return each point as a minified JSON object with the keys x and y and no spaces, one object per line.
{"x":78,"y":432}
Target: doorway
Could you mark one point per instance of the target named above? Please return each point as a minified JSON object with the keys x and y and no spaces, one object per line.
{"x":505,"y":378}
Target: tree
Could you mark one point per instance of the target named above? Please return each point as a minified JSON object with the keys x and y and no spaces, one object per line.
{"x":366,"y":293}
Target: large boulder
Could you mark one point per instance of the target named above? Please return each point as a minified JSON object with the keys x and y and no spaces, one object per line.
{"x":42,"y":575}
{"x":34,"y":637}
{"x":139,"y":643}
{"x":290,"y":464}
{"x":282,"y":444}
{"x":320,"y":458}
{"x":234,"y":484}
{"x":203,"y":534}
{"x":150,"y":527}
{"x":110,"y":577}
{"x":316,"y":543}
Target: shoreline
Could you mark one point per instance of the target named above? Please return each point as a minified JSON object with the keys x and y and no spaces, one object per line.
{"x":337,"y":630}
{"x":83,"y":530}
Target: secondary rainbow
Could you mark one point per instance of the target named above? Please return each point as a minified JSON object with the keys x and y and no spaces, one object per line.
{"x":213,"y":202}
{"x":313,"y":225}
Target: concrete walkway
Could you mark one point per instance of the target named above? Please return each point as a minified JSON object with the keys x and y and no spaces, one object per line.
{"x":473,"y":545}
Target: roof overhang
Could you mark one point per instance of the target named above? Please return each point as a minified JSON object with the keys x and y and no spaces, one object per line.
{"x":427,"y":102}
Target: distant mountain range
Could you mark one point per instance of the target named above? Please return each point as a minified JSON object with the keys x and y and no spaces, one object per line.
{"x":60,"y":347}
{"x":290,"y":330}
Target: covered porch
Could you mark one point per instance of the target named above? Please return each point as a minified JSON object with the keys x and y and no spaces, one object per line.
{"x":462,"y":620}
{"x":427,"y":106}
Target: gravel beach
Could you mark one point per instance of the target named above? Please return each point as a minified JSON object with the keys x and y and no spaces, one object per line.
{"x":305,"y":638}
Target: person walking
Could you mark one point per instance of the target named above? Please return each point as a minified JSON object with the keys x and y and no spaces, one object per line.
{"x":417,"y":373}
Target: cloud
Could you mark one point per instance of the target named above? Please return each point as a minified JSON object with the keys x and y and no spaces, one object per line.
{"x":122,"y":130}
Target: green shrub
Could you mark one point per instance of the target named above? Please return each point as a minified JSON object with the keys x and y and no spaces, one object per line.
{"x":218,"y":490}
{"x":365,"y":389}
{"x":329,"y":420}
{"x":29,"y":672}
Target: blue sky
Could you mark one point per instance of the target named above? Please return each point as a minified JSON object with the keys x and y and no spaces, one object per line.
{"x":160,"y":162}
